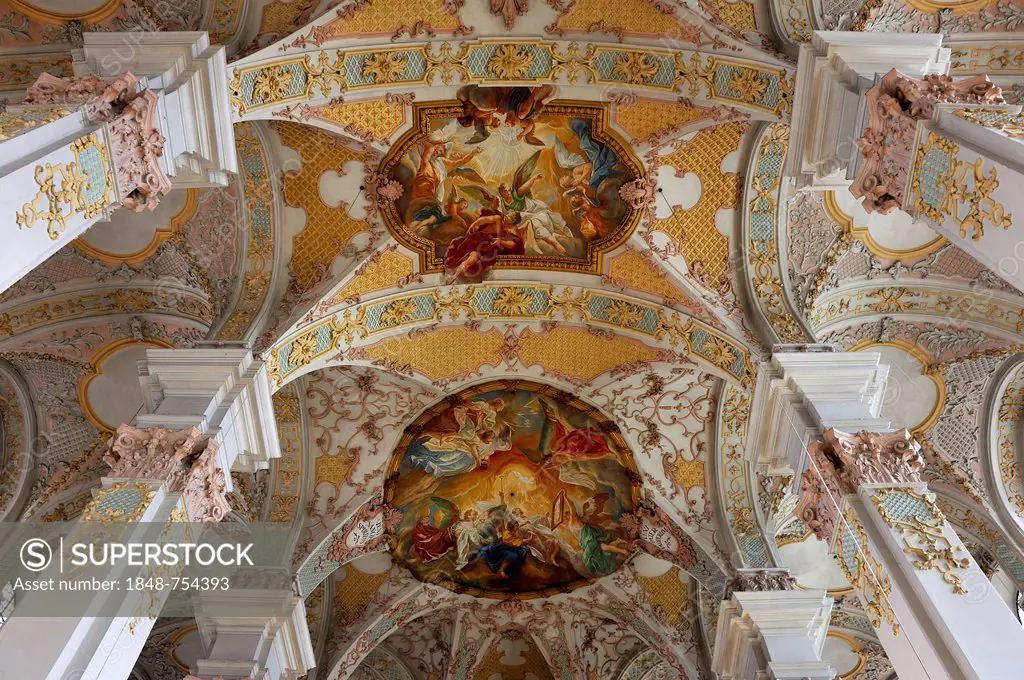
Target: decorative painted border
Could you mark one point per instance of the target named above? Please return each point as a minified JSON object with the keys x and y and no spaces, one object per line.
{"x":24,"y":118}
{"x":1009,"y":411}
{"x":18,"y":72}
{"x":865,"y":573}
{"x":86,"y":187}
{"x":260,"y":236}
{"x":299,"y":76}
{"x":923,"y":527}
{"x":765,"y":274}
{"x":1002,"y":313}
{"x":734,"y":474}
{"x":286,"y":476}
{"x":120,"y":502}
{"x":938,"y":182}
{"x":795,"y":18}
{"x":512,"y":302}
{"x":185,"y":303}
{"x":995,"y":58}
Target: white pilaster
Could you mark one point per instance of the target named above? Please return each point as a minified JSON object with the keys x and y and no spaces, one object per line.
{"x":225,"y":392}
{"x":773,"y":635}
{"x":799,"y":394}
{"x":932,"y":607}
{"x":190,"y":77}
{"x":833,"y":72}
{"x":969,"y":188}
{"x":102,"y":647}
{"x":264,"y":647}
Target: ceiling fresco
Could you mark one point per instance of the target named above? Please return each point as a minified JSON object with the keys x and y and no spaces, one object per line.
{"x":507,"y":177}
{"x":511,"y":488}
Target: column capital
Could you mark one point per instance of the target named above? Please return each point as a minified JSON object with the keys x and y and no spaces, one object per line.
{"x":894,"y":106}
{"x":184,"y":460}
{"x":760,"y":581}
{"x":138,"y":146}
{"x":842,"y":461}
{"x":100,"y":98}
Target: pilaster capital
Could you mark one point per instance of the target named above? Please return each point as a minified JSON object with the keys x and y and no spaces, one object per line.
{"x":760,"y":581}
{"x":894,"y":106}
{"x":101,"y":98}
{"x":138,"y":146}
{"x":842,"y":461}
{"x":183,"y":460}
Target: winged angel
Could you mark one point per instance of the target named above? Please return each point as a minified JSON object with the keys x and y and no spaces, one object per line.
{"x":542,"y":230}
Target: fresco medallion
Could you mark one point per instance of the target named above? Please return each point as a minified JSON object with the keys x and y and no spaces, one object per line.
{"x":511,"y":489}
{"x":510,"y":177}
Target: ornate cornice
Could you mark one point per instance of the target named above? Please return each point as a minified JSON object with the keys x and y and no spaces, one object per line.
{"x":760,"y":581}
{"x":894,"y":107}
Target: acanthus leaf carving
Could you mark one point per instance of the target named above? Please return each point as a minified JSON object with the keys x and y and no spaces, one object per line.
{"x":138,"y":146}
{"x":182,"y":459}
{"x":760,"y":581}
{"x":101,"y":99}
{"x":842,"y":461}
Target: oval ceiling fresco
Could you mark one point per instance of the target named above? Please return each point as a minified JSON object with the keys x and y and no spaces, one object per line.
{"x":511,"y":488}
{"x":510,"y":177}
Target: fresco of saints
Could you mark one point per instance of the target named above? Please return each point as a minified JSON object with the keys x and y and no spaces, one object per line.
{"x":477,"y":438}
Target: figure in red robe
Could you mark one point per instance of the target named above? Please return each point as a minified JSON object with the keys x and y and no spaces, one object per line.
{"x":430,"y":543}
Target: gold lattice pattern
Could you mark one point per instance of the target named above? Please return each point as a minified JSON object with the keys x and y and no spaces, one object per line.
{"x":281,"y":17}
{"x":449,"y":353}
{"x":327,"y":229}
{"x":668,"y":593}
{"x":689,"y":473}
{"x":376,"y":119}
{"x":379,"y":273}
{"x":694,"y":230}
{"x":533,"y":663}
{"x":578,"y":353}
{"x":385,"y":17}
{"x":614,"y":15}
{"x":353,"y":594}
{"x":738,"y":15}
{"x":434,"y":353}
{"x":639,"y":273}
{"x":333,"y":468}
{"x":647,"y":119}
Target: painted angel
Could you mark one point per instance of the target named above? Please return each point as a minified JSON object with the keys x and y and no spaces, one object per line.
{"x":476,"y":440}
{"x":485,"y":107}
{"x":542,"y":230}
{"x":584,"y":176}
{"x":437,"y":160}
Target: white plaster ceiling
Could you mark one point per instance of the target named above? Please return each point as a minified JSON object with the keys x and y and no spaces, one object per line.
{"x":910,"y":396}
{"x":840,"y":653}
{"x":895,"y":231}
{"x":115,"y":395}
{"x":129,"y":232}
{"x":811,"y":565}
